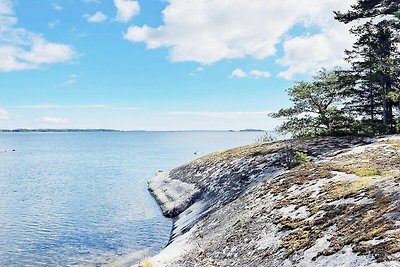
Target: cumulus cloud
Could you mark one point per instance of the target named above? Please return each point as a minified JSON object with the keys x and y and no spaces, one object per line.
{"x":126,"y":9}
{"x":96,"y":17}
{"x":5,"y":7}
{"x":238,"y":73}
{"x":207,"y":31}
{"x":21,"y":49}
{"x":4,"y":115}
{"x":255,"y":74}
{"x":307,"y":54}
{"x":43,"y":52}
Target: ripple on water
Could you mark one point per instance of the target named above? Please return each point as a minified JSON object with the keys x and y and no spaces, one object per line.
{"x":81,"y":199}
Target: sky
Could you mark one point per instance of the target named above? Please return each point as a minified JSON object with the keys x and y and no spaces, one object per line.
{"x":161,"y":64}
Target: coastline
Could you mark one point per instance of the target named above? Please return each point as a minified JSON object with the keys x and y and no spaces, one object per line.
{"x":228,"y":204}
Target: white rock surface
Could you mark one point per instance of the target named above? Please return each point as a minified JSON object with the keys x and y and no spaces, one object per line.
{"x":172,"y":195}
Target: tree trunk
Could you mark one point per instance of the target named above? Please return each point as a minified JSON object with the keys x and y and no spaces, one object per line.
{"x":384,"y":105}
{"x":371,"y":98}
{"x":389,"y":105}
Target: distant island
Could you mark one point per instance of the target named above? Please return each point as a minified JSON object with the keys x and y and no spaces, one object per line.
{"x":252,"y":130}
{"x":109,"y":130}
{"x":56,"y":130}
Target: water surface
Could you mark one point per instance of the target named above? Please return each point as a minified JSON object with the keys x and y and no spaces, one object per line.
{"x":81,"y":198}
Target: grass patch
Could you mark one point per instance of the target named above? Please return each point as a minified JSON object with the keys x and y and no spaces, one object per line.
{"x":366,"y":172}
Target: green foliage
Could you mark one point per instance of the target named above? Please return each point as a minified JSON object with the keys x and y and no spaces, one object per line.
{"x":315,"y":110}
{"x":363,"y":127}
{"x":300,"y":158}
{"x":365,"y":9}
{"x":392,"y":96}
{"x":375,"y":60}
{"x":363,"y":99}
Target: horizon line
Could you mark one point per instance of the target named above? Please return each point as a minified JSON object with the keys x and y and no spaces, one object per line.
{"x":119,"y":130}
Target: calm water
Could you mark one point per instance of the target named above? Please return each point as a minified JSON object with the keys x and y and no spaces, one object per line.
{"x":81,"y":198}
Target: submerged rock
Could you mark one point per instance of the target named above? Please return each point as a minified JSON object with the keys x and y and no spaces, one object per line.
{"x":252,"y":206}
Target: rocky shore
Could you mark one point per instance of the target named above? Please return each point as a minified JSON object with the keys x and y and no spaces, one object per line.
{"x":261,"y":205}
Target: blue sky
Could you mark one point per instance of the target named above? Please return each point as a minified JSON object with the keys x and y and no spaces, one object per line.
{"x":160,"y":65}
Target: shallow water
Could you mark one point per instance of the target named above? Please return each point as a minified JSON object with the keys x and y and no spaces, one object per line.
{"x":81,"y":198}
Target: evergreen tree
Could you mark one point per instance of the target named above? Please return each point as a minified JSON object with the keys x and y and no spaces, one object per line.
{"x":316,"y":107}
{"x":372,"y":9}
{"x":375,"y":59}
{"x":363,"y":99}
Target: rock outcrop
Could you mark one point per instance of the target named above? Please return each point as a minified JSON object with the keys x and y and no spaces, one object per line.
{"x":252,"y":206}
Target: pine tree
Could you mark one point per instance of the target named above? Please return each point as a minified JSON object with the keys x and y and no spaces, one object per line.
{"x":316,"y":107}
{"x":365,"y":9}
{"x":375,"y":59}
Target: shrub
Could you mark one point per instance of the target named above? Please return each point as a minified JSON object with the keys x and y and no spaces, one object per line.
{"x":300,"y":158}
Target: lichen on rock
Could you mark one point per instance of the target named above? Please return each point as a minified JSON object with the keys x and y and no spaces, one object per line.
{"x":253,"y":208}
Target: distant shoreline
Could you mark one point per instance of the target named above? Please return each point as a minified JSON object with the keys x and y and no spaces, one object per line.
{"x":56,"y":130}
{"x":112,"y":130}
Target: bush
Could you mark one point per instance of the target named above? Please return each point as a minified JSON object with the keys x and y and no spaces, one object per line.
{"x":300,"y":158}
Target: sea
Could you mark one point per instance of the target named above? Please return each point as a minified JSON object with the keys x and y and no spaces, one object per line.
{"x":81,"y":198}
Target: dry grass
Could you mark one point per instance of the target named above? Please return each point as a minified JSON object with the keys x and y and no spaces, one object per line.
{"x":146,"y":263}
{"x":366,"y":172}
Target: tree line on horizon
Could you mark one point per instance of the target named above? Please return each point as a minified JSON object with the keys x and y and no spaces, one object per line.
{"x":363,"y":99}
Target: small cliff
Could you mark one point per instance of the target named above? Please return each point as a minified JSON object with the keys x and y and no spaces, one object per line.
{"x":255,"y":206}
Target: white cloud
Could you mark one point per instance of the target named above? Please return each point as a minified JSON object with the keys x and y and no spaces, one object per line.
{"x":4,"y":115}
{"x":9,"y":60}
{"x":227,"y":115}
{"x":126,"y":9}
{"x":207,"y":31}
{"x":96,"y":17}
{"x":54,"y":23}
{"x":308,"y":54}
{"x":43,"y":52}
{"x":90,"y":106}
{"x":21,"y":49}
{"x":5,"y":7}
{"x":54,"y":120}
{"x":56,"y":7}
{"x":255,"y":74}
{"x":238,"y":73}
